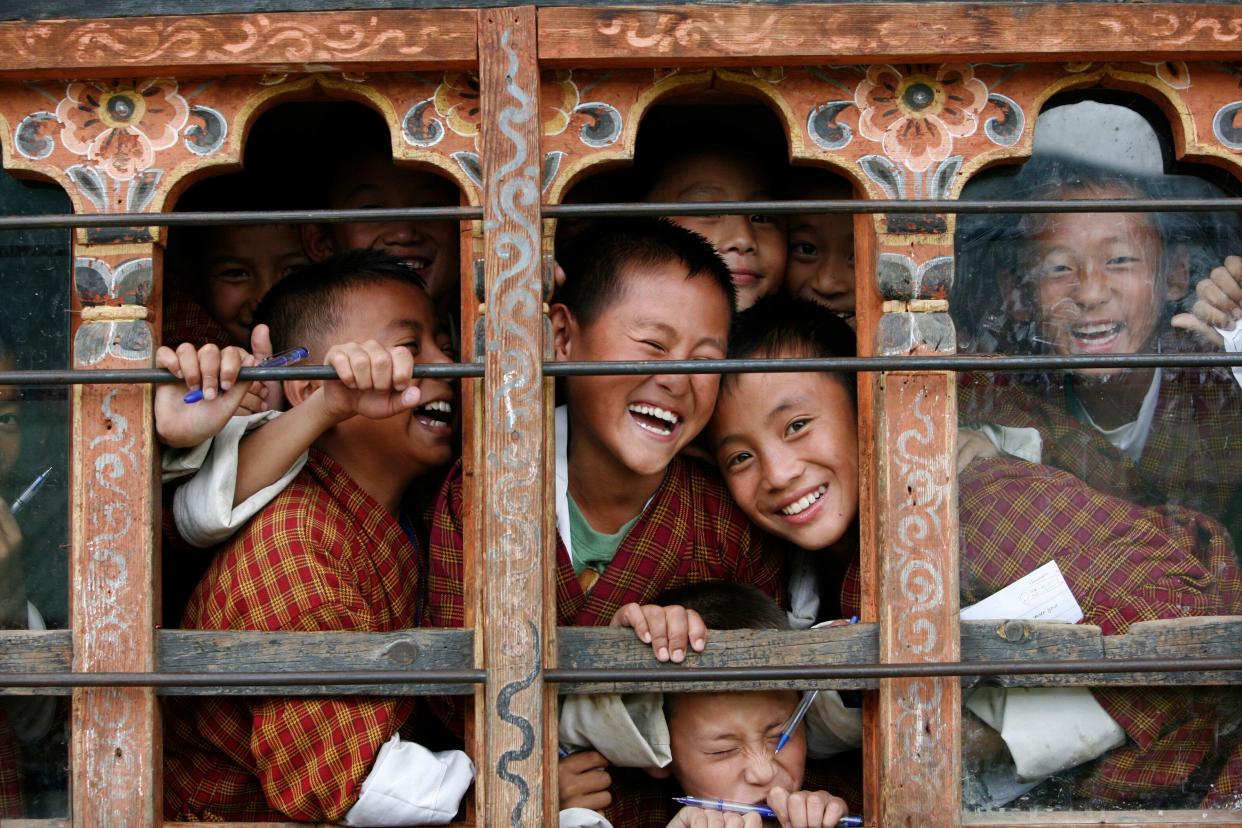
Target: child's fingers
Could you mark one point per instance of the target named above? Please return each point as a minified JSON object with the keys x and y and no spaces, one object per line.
{"x":677,"y":630}
{"x":166,"y":358}
{"x":631,"y":615}
{"x":261,"y":342}
{"x":1214,"y":295}
{"x":402,"y":368}
{"x":1192,"y":323}
{"x":187,"y":359}
{"x":1212,"y":315}
{"x":209,"y":370}
{"x":1230,"y":286}
{"x":697,"y":630}
{"x":10,"y":532}
{"x":778,"y":801}
{"x":1233,"y":266}
{"x":658,"y":626}
{"x":230,"y":363}
{"x":380,"y":363}
{"x":339,"y":358}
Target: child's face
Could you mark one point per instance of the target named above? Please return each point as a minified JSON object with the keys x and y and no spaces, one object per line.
{"x":644,"y":421}
{"x":753,"y":246}
{"x":723,"y":744}
{"x":787,"y":445}
{"x":431,"y":247}
{"x":400,"y":315}
{"x":1097,"y":285}
{"x":10,"y":424}
{"x":821,"y":262}
{"x":240,"y":265}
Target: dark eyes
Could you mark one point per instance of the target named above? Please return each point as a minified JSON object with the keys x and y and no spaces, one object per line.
{"x":737,"y":459}
{"x":762,"y":219}
{"x":803,"y":249}
{"x":232,"y":275}
{"x":797,"y":425}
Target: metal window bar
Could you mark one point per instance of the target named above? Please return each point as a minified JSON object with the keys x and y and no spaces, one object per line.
{"x":629,"y":209}
{"x":633,"y":674}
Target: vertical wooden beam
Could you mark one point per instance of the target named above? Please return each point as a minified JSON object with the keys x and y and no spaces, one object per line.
{"x":116,"y":751}
{"x":515,"y":526}
{"x":918,"y":722}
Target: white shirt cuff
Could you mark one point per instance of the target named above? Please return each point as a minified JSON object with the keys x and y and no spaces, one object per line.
{"x":582,"y":818}
{"x":1022,"y":443}
{"x":1047,"y":729}
{"x":203,"y":507}
{"x":176,"y":463}
{"x":1233,"y":344}
{"x":410,"y":785}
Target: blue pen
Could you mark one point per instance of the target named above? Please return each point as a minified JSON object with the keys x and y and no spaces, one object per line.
{"x":725,"y":806}
{"x":31,"y":490}
{"x":800,"y":712}
{"x":289,"y":357}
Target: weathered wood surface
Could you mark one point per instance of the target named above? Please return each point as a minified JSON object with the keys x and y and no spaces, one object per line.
{"x":916,"y":434}
{"x":116,"y":750}
{"x":515,"y":529}
{"x":205,"y":651}
{"x":885,"y":32}
{"x":349,"y":41}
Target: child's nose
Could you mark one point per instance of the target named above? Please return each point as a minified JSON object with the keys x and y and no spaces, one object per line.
{"x":760,"y":767}
{"x":739,"y":236}
{"x":781,"y":467}
{"x":1092,"y":286}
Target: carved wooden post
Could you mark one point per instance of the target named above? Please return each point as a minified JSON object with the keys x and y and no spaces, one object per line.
{"x":916,"y":503}
{"x":515,"y":526}
{"x":116,"y":735}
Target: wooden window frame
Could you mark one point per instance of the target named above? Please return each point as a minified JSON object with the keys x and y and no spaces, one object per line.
{"x":116,"y":731}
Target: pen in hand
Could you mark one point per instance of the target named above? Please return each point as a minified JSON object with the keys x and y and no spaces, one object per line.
{"x":26,"y":496}
{"x":800,"y":712}
{"x":289,"y":357}
{"x":725,"y":806}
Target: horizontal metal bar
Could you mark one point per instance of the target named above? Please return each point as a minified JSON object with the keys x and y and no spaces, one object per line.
{"x":670,"y":208}
{"x":261,"y":679}
{"x":939,"y":669}
{"x":676,"y":366}
{"x":628,"y":674}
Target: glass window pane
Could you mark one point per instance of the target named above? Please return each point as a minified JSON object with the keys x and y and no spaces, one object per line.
{"x":34,"y":327}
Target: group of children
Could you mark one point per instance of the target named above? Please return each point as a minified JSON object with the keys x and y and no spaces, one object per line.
{"x":344,"y":512}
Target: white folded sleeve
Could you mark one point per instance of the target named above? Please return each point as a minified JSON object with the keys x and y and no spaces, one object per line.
{"x":1047,"y":729}
{"x":176,"y":463}
{"x":831,"y":727}
{"x":628,"y":730}
{"x":410,"y":785}
{"x":1022,"y":443}
{"x":1233,"y":344}
{"x":203,"y":507}
{"x":582,"y":818}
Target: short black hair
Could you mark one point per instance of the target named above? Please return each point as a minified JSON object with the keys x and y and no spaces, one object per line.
{"x":780,"y":325}
{"x":728,"y":606}
{"x":600,"y":256}
{"x":306,"y":304}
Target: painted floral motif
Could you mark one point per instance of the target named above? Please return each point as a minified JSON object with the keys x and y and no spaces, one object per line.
{"x":457,"y":102}
{"x":119,"y":125}
{"x":558,"y":99}
{"x":916,"y":116}
{"x":1175,"y":73}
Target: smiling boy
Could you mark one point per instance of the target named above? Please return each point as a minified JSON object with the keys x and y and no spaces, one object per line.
{"x":787,"y":446}
{"x":634,"y":518}
{"x":335,"y":550}
{"x":821,"y":245}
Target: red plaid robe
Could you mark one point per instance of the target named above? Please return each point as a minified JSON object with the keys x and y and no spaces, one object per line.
{"x":1124,"y":563}
{"x":322,"y":556}
{"x":10,"y":773}
{"x":690,"y":532}
{"x":1191,"y":457}
{"x":187,"y":321}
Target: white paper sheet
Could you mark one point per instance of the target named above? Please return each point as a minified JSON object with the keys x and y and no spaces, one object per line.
{"x":1042,"y":595}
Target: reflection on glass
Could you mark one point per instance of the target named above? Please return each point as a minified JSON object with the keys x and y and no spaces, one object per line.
{"x":34,"y":268}
{"x":1129,"y":479}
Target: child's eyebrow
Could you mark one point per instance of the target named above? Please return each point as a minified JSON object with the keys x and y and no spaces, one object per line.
{"x":412,"y":325}
{"x":785,"y":405}
{"x":672,"y":333}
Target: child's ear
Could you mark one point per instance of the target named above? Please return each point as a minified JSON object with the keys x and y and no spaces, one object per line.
{"x":1178,"y":279}
{"x":317,"y":242}
{"x":659,"y":773}
{"x":296,"y":391}
{"x":564,"y":331}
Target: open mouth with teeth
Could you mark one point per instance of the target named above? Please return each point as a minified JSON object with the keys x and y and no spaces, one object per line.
{"x":652,"y":418}
{"x":436,"y":414}
{"x":417,"y":264}
{"x":803,"y":503}
{"x":1097,"y":333}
